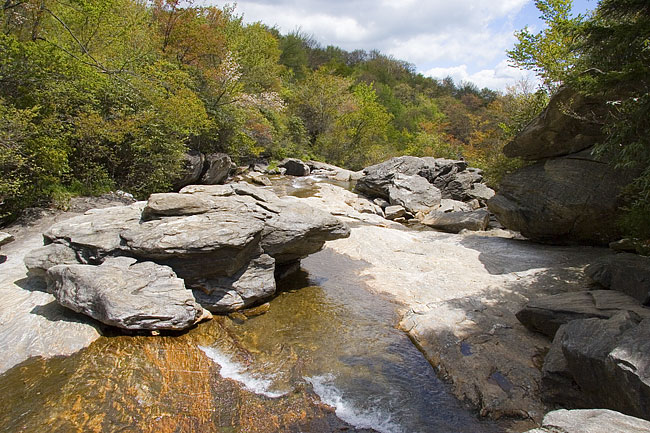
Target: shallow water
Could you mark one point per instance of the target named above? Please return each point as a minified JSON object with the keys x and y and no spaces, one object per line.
{"x":325,"y":339}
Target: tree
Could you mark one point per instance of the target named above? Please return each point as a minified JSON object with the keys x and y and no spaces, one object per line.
{"x":552,"y":52}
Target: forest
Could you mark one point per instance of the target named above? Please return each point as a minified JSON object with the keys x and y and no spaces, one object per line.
{"x":99,"y":95}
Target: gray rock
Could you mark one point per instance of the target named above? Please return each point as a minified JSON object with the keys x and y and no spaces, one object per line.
{"x":560,"y":129}
{"x":294,"y":167}
{"x":449,"y":205}
{"x":5,"y":238}
{"x":413,"y":193}
{"x":609,"y":360}
{"x":363,"y":205}
{"x":568,"y":199}
{"x":381,"y":203}
{"x":454,"y":222}
{"x":260,"y":179}
{"x":394,"y":212}
{"x":96,"y":234}
{"x":255,"y":281}
{"x":193,"y":162}
{"x":626,"y":273}
{"x":216,"y":168}
{"x":41,"y":259}
{"x":460,"y":185}
{"x":591,"y":421}
{"x":168,"y":204}
{"x":126,"y":294}
{"x":547,"y":314}
{"x":625,"y":245}
{"x":481,"y":192}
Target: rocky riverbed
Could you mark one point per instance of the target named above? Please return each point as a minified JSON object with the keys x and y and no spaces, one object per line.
{"x":456,"y":296}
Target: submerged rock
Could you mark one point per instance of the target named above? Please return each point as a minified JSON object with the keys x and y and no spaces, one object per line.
{"x":123,"y":293}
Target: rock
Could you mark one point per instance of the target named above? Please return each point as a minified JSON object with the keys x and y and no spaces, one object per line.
{"x":591,"y":421}
{"x":454,"y":222}
{"x":216,"y":168}
{"x":449,"y":205}
{"x":130,"y":295}
{"x":569,"y":199}
{"x":330,"y":171}
{"x":260,"y":180}
{"x":5,"y":238}
{"x":625,"y":245}
{"x":413,"y":193}
{"x":38,"y":261}
{"x":547,"y":314}
{"x":253,"y":282}
{"x":460,"y":185}
{"x":381,"y":203}
{"x":294,"y":167}
{"x":363,"y":205}
{"x":626,"y":273}
{"x":481,"y":192}
{"x":560,"y":129}
{"x":394,"y":212}
{"x":168,"y":204}
{"x":241,"y":232}
{"x":193,"y":162}
{"x":609,"y":360}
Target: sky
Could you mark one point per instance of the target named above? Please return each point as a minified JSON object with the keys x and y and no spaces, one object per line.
{"x":464,"y":39}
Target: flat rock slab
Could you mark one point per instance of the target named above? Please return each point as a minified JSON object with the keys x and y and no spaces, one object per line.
{"x":124,"y":293}
{"x":5,"y":238}
{"x":547,"y":314}
{"x":626,"y":273}
{"x":454,"y":222}
{"x":591,"y":421}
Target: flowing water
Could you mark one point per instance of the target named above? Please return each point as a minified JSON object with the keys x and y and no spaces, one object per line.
{"x":325,"y":357}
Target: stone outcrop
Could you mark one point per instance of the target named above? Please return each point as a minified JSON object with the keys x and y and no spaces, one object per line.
{"x":333,"y":172}
{"x":548,"y":313}
{"x":567,"y":195}
{"x":420,"y":184}
{"x":5,"y":238}
{"x":192,"y":169}
{"x":216,"y":168}
{"x":124,"y":293}
{"x":560,"y":129}
{"x":224,"y":241}
{"x":601,"y":363}
{"x":572,"y":198}
{"x":626,"y":273}
{"x":590,"y":421}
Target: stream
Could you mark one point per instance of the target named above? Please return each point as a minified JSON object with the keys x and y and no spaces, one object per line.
{"x":325,"y":357}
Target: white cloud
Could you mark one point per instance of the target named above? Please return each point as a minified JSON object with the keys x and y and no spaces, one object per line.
{"x":497,"y":78}
{"x":432,"y":34}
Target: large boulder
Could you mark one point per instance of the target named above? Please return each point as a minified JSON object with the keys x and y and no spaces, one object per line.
{"x":414,"y":194}
{"x":626,"y":273}
{"x":216,"y":168}
{"x":569,"y":199}
{"x":591,"y":421}
{"x":224,"y":241}
{"x":294,"y":167}
{"x":548,"y":313}
{"x":191,"y":171}
{"x":123,"y":293}
{"x":608,"y":361}
{"x":561,"y":129}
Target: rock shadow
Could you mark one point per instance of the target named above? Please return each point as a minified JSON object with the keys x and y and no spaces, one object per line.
{"x":503,"y":256}
{"x":55,"y":312}
{"x":32,"y":284}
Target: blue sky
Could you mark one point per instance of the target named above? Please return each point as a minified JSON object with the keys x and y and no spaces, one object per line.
{"x":465,"y":39}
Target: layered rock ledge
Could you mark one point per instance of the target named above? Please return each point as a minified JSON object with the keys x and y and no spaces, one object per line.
{"x":224,"y":242}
